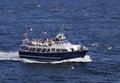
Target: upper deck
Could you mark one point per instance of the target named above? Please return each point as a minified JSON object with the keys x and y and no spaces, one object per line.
{"x":57,"y":46}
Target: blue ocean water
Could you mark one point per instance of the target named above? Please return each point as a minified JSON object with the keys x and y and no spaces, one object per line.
{"x":94,"y":23}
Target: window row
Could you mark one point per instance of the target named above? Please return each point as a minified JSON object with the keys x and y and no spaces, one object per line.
{"x":45,"y":50}
{"x":61,"y":42}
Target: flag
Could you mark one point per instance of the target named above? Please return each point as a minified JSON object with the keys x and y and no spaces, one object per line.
{"x":24,"y":34}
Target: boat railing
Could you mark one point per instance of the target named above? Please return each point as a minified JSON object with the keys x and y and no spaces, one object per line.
{"x":39,"y":42}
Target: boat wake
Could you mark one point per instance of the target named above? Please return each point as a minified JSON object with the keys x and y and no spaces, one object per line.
{"x":85,"y":59}
{"x":14,"y":56}
{"x":9,"y":56}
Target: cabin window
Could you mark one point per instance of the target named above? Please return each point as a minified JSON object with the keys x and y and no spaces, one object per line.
{"x":24,"y":48}
{"x":48,"y":50}
{"x":57,"y":50}
{"x":32,"y":49}
{"x":65,"y":41}
{"x":55,"y":42}
{"x":39,"y":49}
{"x":53,"y":50}
{"x":64,"y":50}
{"x":43,"y":50}
{"x":59,"y":42}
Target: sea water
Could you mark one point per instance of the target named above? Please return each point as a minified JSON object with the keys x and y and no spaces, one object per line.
{"x":93,"y":23}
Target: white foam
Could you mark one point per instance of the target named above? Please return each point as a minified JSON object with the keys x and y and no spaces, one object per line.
{"x":15,"y":56}
{"x":85,"y":59}
{"x":9,"y":56}
{"x":31,"y":61}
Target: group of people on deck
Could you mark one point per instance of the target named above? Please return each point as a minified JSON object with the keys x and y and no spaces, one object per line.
{"x":41,"y":42}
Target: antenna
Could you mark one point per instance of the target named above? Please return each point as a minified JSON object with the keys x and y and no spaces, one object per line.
{"x":61,"y":34}
{"x":62,"y":29}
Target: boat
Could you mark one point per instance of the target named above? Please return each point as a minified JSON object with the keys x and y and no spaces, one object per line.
{"x":51,"y":49}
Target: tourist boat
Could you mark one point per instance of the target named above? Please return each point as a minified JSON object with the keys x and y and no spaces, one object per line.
{"x":56,"y":49}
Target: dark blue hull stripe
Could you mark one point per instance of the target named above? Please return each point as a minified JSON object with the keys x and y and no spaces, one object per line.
{"x":52,"y":56}
{"x":40,"y":57}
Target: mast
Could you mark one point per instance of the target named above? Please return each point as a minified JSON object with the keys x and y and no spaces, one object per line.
{"x":62,"y":30}
{"x":61,"y":36}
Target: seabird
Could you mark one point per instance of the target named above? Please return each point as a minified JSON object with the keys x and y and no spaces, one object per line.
{"x":55,"y":9}
{"x":109,"y":48}
{"x":31,"y":29}
{"x":95,"y":44}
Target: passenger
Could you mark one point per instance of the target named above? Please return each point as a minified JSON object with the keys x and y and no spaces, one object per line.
{"x":72,"y":49}
{"x":40,"y":40}
{"x":47,"y":40}
{"x":81,"y":48}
